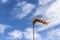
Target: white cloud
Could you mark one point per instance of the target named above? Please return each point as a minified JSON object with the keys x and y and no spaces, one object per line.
{"x":14,"y":35}
{"x":53,"y":34}
{"x":3,"y":1}
{"x":22,"y":9}
{"x":40,"y":11}
{"x":3,"y":27}
{"x":51,"y":14}
{"x":26,"y":10}
{"x":28,"y":34}
{"x":43,"y":2}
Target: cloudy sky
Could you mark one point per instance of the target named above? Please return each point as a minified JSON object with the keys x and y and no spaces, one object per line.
{"x":16,"y":19}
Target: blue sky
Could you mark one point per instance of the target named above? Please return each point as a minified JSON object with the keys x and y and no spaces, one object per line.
{"x":16,"y":19}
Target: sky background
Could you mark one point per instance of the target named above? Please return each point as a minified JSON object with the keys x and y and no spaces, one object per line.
{"x":16,"y":19}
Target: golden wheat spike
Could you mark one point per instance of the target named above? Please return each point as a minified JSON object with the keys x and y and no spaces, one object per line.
{"x":40,"y":20}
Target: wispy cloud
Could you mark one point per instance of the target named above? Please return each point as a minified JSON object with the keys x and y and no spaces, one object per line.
{"x":43,"y":2}
{"x":26,"y":10}
{"x":23,"y":9}
{"x":52,"y":15}
{"x":40,"y":10}
{"x":28,"y":34}
{"x":3,"y":27}
{"x":3,"y":1}
{"x":14,"y":35}
{"x":53,"y":34}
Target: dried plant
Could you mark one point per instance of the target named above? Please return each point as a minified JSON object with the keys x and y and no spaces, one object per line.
{"x":40,"y":20}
